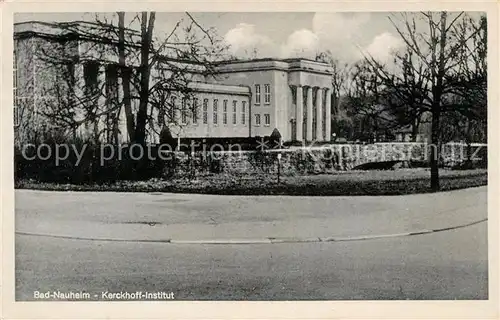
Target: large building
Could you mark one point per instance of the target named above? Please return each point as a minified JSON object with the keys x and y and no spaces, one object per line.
{"x":238,"y":99}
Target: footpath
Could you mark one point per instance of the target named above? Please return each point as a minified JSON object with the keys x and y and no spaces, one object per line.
{"x":206,"y":219}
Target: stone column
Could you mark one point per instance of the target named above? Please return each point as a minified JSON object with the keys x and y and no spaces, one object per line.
{"x":328,"y":115}
{"x":299,"y":113}
{"x":101,"y":83}
{"x":309,"y":134}
{"x":319,"y":115}
{"x":79,"y":88}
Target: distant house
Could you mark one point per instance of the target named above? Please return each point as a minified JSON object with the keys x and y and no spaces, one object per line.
{"x":379,"y":124}
{"x":405,"y":133}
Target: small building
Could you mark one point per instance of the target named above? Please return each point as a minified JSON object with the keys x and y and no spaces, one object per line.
{"x":405,"y":134}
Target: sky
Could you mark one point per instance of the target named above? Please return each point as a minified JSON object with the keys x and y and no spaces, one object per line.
{"x":280,"y":35}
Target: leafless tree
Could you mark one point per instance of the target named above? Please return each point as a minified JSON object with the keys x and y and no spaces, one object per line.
{"x":340,"y":73}
{"x":432,"y":68}
{"x":152,"y":70}
{"x":365,"y":102}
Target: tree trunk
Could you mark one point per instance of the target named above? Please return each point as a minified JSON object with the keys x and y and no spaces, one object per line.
{"x":414,"y":129}
{"x":146,"y":38}
{"x":468,"y":162}
{"x":437,"y":92}
{"x":125,"y":75}
{"x":127,"y":103}
{"x":435,"y":148}
{"x":96,"y":131}
{"x":116,"y":129}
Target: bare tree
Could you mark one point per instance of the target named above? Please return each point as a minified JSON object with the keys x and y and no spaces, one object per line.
{"x":342,"y":123}
{"x":27,"y":96}
{"x":152,"y":70}
{"x":126,"y":74}
{"x":340,"y":72}
{"x":430,"y":68}
{"x":405,"y":96}
{"x":365,"y":102}
{"x":470,"y":94}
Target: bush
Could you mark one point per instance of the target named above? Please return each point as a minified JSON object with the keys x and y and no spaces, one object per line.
{"x":89,"y":169}
{"x":293,"y":143}
{"x":214,"y":163}
{"x":383,"y":165}
{"x":356,"y":183}
{"x":262,"y":160}
{"x":167,"y":138}
{"x":275,"y":139}
{"x":221,"y":144}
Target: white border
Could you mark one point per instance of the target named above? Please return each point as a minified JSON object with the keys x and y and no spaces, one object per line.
{"x":248,"y":310}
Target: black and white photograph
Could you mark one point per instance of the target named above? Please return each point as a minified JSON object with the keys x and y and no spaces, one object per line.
{"x":250,"y":156}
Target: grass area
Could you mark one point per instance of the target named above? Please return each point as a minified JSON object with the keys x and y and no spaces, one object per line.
{"x":404,"y":181}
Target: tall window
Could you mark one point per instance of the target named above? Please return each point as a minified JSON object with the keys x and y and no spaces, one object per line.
{"x":257,"y":119}
{"x":224,"y":112}
{"x":267,"y":94}
{"x":90,"y":75}
{"x":267,"y":119}
{"x":243,"y":112}
{"x":205,"y":111}
{"x":14,"y":91}
{"x":184,"y":111}
{"x":195,"y":111}
{"x":235,"y":103}
{"x":216,"y":111}
{"x":173,"y":102}
{"x":111,"y":74}
{"x":257,"y":94}
{"x":112,"y":99}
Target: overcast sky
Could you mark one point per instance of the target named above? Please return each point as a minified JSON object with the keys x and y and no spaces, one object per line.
{"x":280,"y":35}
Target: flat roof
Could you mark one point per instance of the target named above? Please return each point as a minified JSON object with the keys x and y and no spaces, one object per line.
{"x":219,"y":88}
{"x":264,"y":64}
{"x":70,"y":23}
{"x":234,"y":65}
{"x":288,"y":60}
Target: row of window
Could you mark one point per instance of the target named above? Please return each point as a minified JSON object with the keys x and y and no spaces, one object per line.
{"x":215,"y":113}
{"x":267,"y":94}
{"x":267,"y":119}
{"x":233,"y":114}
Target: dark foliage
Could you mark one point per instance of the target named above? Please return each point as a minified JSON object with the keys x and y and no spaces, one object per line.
{"x":224,"y":185}
{"x":275,"y":139}
{"x":166,"y":137}
{"x":92,"y":168}
{"x":383,"y":165}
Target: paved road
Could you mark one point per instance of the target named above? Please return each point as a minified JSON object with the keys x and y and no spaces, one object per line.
{"x":186,"y":217}
{"x":445,"y":265}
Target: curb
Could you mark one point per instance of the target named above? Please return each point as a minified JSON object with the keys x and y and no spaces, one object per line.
{"x":269,"y":240}
{"x":225,"y":241}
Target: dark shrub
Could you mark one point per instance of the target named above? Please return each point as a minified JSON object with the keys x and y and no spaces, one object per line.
{"x":90,"y":169}
{"x":275,"y":139}
{"x":294,"y":143}
{"x":419,"y":164}
{"x":381,"y":165}
{"x":262,"y":161}
{"x":214,"y":163}
{"x":329,"y":158}
{"x":167,"y":138}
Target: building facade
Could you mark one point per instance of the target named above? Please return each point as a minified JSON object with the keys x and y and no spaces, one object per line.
{"x":239,"y":99}
{"x":292,"y":95}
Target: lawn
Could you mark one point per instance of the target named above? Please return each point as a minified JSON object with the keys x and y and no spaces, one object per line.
{"x":402,"y":181}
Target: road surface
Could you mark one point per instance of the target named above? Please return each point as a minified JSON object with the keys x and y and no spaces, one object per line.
{"x":450,"y":264}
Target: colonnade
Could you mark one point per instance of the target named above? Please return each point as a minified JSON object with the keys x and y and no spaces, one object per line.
{"x":318,"y":108}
